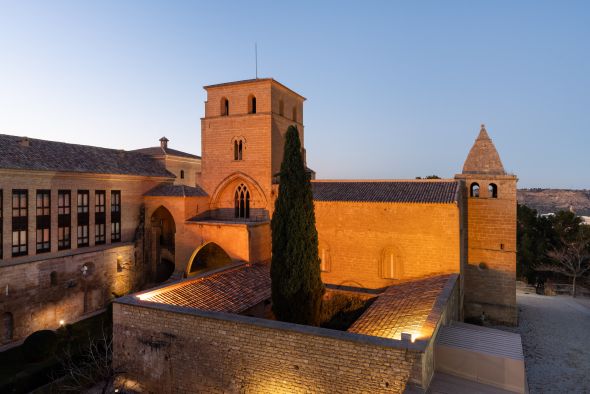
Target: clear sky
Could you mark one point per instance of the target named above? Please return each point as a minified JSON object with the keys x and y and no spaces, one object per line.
{"x":395,"y":90}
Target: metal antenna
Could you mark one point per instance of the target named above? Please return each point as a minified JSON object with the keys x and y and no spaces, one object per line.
{"x":256,"y":57}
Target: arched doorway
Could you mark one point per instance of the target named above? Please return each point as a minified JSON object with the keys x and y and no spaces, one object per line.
{"x":207,"y":257}
{"x":163,"y":231}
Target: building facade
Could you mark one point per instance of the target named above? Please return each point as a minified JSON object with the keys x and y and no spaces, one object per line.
{"x":155,"y":212}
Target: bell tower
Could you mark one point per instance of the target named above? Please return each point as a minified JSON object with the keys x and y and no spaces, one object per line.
{"x":489,"y":214}
{"x":242,"y":138}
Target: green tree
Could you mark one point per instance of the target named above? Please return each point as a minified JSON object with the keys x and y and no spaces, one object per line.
{"x":534,"y":235}
{"x":297,"y":288}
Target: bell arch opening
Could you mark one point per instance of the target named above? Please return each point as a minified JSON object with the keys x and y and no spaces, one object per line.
{"x":207,"y":257}
{"x":163,"y":244}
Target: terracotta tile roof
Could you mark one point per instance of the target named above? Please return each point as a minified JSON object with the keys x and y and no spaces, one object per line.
{"x":426,"y":191}
{"x":158,"y":151}
{"x":233,"y":290}
{"x":405,"y":307}
{"x":169,"y":190}
{"x":41,"y":155}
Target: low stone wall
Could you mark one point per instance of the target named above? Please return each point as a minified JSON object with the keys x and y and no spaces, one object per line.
{"x":168,"y":349}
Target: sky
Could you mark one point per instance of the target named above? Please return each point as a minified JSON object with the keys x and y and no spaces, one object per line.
{"x":394,"y":89}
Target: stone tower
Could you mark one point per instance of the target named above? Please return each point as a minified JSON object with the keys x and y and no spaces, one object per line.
{"x":242,"y":137}
{"x":489,"y":210}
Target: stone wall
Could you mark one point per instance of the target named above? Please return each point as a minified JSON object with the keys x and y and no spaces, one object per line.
{"x":167,"y":349}
{"x":354,"y":236}
{"x":40,"y":293}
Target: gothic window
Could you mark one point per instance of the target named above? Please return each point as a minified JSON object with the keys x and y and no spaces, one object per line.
{"x":252,"y":104}
{"x":8,"y":323}
{"x":238,"y":149}
{"x":474,"y":190}
{"x":493,"y":190}
{"x":224,"y":106}
{"x":242,"y":202}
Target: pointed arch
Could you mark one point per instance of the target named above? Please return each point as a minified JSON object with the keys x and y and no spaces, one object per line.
{"x":391,"y":263}
{"x":247,"y":180}
{"x":207,"y":257}
{"x":242,"y":202}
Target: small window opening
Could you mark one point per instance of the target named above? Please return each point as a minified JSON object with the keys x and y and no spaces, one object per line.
{"x":240,"y":146}
{"x":181,"y":174}
{"x":295,"y":114}
{"x":493,"y":190}
{"x":474,"y":190}
{"x":53,"y":278}
{"x":238,"y":149}
{"x":224,"y":107}
{"x":281,"y":108}
{"x":252,"y":105}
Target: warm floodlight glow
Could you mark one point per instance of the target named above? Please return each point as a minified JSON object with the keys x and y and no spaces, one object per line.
{"x":62,"y":323}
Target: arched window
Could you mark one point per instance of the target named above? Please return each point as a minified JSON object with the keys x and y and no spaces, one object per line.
{"x":493,"y":190}
{"x":252,"y":104}
{"x":281,"y":108}
{"x":242,"y":202}
{"x":8,"y":326}
{"x":391,"y":263}
{"x":295,"y":114}
{"x":224,"y":106}
{"x":181,"y":174}
{"x":53,"y":278}
{"x":474,"y":190}
{"x":239,"y":149}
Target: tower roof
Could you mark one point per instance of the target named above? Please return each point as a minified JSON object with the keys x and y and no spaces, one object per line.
{"x":483,"y":157}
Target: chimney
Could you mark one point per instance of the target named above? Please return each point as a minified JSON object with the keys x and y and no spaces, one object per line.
{"x":164,"y":143}
{"x":24,"y":141}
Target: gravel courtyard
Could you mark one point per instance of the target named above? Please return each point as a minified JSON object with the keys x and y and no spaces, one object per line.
{"x":556,"y":340}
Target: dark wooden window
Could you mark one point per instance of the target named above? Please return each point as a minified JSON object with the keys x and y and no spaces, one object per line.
{"x":43,"y":221}
{"x":100,"y":217}
{"x":115,"y":215}
{"x":64,"y":219}
{"x":20,"y":222}
{"x":83,"y":218}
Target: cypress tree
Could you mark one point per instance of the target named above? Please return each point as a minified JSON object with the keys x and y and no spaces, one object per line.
{"x":297,"y":288}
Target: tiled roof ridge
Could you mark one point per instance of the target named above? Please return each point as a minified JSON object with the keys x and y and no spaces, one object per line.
{"x":442,"y":180}
{"x":171,"y":190}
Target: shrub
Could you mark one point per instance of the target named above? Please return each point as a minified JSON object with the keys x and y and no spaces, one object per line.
{"x":39,"y":345}
{"x":339,"y":311}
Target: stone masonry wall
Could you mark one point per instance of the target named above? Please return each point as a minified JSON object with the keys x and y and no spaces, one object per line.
{"x":167,"y":349}
{"x":354,"y":236}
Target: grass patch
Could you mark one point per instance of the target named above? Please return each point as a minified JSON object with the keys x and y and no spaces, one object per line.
{"x":17,"y":375}
{"x":340,"y":310}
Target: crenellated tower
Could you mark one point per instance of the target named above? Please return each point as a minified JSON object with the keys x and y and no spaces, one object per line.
{"x":489,"y":210}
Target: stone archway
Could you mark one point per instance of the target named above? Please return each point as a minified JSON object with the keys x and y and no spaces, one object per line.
{"x":207,"y":257}
{"x":163,"y":244}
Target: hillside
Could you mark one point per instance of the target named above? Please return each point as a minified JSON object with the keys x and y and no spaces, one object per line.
{"x":552,"y":200}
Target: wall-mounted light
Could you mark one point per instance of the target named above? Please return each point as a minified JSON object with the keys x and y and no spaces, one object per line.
{"x":406,"y":336}
{"x":62,"y":323}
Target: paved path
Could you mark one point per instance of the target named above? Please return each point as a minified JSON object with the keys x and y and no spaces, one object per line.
{"x":556,"y":340}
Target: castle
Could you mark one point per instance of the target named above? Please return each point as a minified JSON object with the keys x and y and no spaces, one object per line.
{"x":81,"y":223}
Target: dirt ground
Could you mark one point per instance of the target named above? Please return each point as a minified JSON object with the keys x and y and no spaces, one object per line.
{"x":556,"y":340}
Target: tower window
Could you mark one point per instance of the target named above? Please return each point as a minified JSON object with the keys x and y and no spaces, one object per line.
{"x":281,"y":108}
{"x":252,"y":104}
{"x":238,"y":149}
{"x":242,"y":202}
{"x":181,"y":174}
{"x":295,"y":114}
{"x":224,"y":107}
{"x":493,"y":190}
{"x":474,"y":190}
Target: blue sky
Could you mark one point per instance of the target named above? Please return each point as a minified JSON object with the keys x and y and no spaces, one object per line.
{"x":395,"y":90}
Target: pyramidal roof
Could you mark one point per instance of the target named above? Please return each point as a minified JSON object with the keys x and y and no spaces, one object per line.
{"x":483,"y":157}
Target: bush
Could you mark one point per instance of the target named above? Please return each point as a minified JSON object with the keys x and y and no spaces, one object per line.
{"x":40,"y":345}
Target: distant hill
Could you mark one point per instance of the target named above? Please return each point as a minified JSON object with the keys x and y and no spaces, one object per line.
{"x":553,"y":200}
